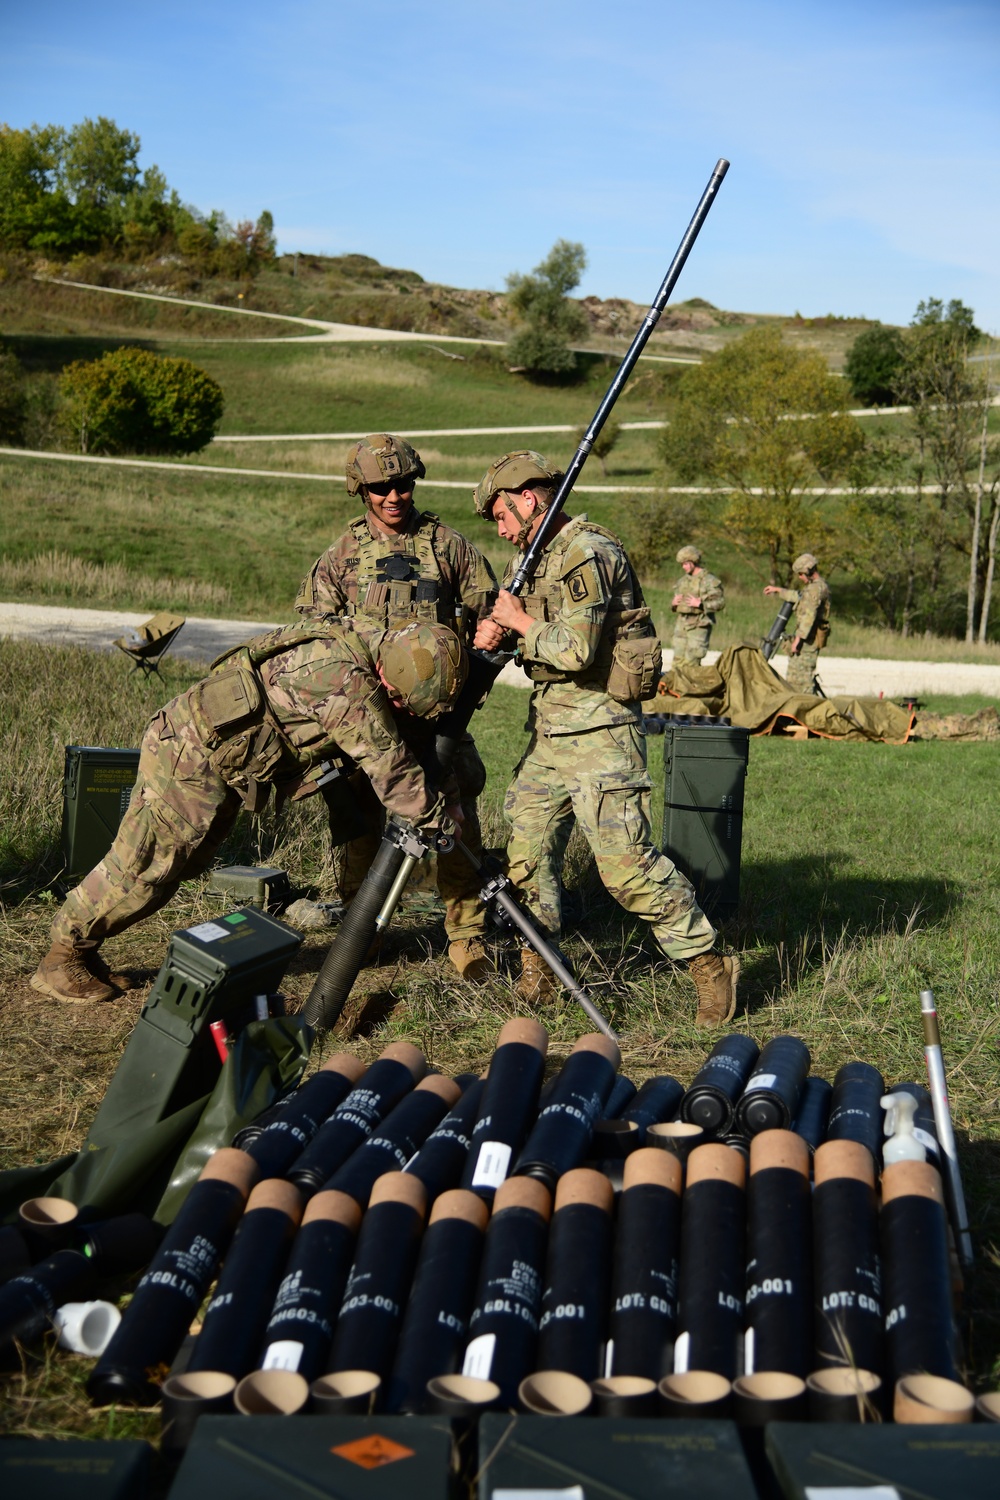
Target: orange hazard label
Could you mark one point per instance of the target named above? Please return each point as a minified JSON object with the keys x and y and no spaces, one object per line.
{"x":372,"y":1452}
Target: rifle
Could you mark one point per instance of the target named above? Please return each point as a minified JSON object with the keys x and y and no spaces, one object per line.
{"x":372,"y":907}
{"x":772,"y":640}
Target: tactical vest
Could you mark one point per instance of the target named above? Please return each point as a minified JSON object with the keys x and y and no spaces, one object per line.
{"x":627,"y":617}
{"x":401,"y":576}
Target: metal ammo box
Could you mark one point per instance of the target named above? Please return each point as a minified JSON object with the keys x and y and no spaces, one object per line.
{"x":212,"y":972}
{"x":253,"y":884}
{"x":97,"y":785}
{"x":705,"y":765}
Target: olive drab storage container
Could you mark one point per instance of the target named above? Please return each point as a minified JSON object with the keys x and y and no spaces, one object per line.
{"x":252,"y":885}
{"x":212,"y":972}
{"x":705,"y":767}
{"x":97,"y":785}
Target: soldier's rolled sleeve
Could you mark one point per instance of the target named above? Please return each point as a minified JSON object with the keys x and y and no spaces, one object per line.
{"x":791,"y":596}
{"x":712,"y":596}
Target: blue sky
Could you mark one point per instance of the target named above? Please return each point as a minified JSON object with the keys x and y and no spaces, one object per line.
{"x":462,"y":139}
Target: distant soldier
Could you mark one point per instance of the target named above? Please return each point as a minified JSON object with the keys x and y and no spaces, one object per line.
{"x":812,"y":622}
{"x":392,"y":563}
{"x":698,"y":596}
{"x":268,"y":715}
{"x":585,"y":639}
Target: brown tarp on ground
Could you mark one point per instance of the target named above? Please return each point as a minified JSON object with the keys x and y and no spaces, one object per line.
{"x":745,"y":689}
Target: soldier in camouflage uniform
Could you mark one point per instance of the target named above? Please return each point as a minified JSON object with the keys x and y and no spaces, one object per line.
{"x":812,"y":622}
{"x":698,"y":596}
{"x":586,"y":641}
{"x":396,"y":562}
{"x":274,"y":712}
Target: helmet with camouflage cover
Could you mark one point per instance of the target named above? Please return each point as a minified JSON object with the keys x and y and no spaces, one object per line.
{"x":804,"y":563}
{"x":425,"y":664}
{"x":689,"y":554}
{"x":514,"y":472}
{"x":381,"y":458}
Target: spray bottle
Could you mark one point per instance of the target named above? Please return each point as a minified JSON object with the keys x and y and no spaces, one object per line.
{"x":901,"y":1143}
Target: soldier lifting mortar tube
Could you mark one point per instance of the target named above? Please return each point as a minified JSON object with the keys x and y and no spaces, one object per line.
{"x":812,"y":622}
{"x":394,"y":563}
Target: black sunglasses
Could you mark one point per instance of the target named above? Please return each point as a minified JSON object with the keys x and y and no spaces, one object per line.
{"x":402,"y":486}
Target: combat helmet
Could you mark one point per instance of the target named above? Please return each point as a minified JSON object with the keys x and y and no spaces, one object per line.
{"x":514,"y":471}
{"x":425,"y":664}
{"x":804,"y":563}
{"x":381,"y":458}
{"x":689,"y":554}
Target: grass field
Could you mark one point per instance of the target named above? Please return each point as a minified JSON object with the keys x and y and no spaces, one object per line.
{"x":869,"y":872}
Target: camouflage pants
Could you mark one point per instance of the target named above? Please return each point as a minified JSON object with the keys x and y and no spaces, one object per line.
{"x":690,"y":641}
{"x":801,"y":672}
{"x":457,"y":882}
{"x":600,"y":778}
{"x":179,"y":814}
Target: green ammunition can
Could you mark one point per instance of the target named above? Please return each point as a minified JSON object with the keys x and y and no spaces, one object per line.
{"x":97,"y":785}
{"x":705,"y":766}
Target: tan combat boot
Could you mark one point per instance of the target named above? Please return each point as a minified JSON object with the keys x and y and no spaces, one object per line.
{"x":63,"y":973}
{"x":536,"y":985}
{"x":715,"y":979}
{"x":95,"y":965}
{"x":470,"y":959}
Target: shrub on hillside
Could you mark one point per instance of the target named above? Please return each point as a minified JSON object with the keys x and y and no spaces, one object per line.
{"x":12,"y":398}
{"x":874,"y":364}
{"x":133,"y":401}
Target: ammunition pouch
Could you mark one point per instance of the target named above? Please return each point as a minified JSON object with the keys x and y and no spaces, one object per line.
{"x":822,"y":635}
{"x":635,"y":670}
{"x":244,"y":749}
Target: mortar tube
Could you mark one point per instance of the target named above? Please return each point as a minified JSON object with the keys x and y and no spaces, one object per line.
{"x":271,"y":1393}
{"x":28,"y":1303}
{"x":559,"y":1139}
{"x":396,"y":1141}
{"x":624,"y":1396}
{"x":185,"y":1399}
{"x":913,"y":1234}
{"x":300,"y":1329}
{"x":349,"y":1393}
{"x":508,"y":1106}
{"x":711,"y":1100}
{"x":813,"y":1112}
{"x":933,"y":1400}
{"x":48,"y":1224}
{"x":677,"y":1137}
{"x":371,"y":1315}
{"x":573,"y":1328}
{"x":769,"y":1396}
{"x":847,"y":1275}
{"x":657,"y":1101}
{"x":287,"y":1135}
{"x":952,"y":1177}
{"x":171,"y":1291}
{"x":613,"y":1143}
{"x":695,"y":1393}
{"x":779,"y":1299}
{"x":643,"y":1301}
{"x":554,"y":1393}
{"x":234,"y":1322}
{"x":461,"y":1396}
{"x":122,"y":1245}
{"x":924,"y":1127}
{"x":844,"y":1395}
{"x":770,"y":1100}
{"x":440,"y":1162}
{"x":856,"y":1112}
{"x":433,"y":1336}
{"x":620,"y":1098}
{"x":712,"y":1263}
{"x":380,"y":1088}
{"x":503,"y":1326}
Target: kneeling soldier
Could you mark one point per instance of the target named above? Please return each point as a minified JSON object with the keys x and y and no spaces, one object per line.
{"x":268,"y":715}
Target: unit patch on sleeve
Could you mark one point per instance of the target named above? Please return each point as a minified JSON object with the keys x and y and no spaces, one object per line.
{"x":584,"y":585}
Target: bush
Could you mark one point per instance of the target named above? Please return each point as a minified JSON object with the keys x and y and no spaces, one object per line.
{"x":133,"y":401}
{"x":12,"y":399}
{"x":874,"y":364}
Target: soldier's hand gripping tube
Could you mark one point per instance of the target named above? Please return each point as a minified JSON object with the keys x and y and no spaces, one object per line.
{"x":770,"y":1100}
{"x":440,"y":1162}
{"x":920,"y":1333}
{"x":856,"y":1107}
{"x":297,"y":1119}
{"x":391,"y":1076}
{"x":509,"y":1105}
{"x":711,"y":1100}
{"x":779,"y":1300}
{"x":713,"y":1263}
{"x":300,"y":1330}
{"x":559,"y":1138}
{"x":955,"y":1196}
{"x":503,"y":1328}
{"x":498,"y":892}
{"x":388,"y":1244}
{"x":347,"y":952}
{"x":573,"y":1328}
{"x":644,"y":1277}
{"x":237,"y":1315}
{"x":775,"y":635}
{"x":847,"y":1280}
{"x":432,"y":1339}
{"x":169,"y":1295}
{"x":394,"y":1143}
{"x":656,"y":1102}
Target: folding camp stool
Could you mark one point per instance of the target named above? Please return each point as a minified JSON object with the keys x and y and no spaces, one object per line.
{"x":146,"y":645}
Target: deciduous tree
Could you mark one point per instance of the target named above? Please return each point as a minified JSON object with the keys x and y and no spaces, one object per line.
{"x":551,"y":320}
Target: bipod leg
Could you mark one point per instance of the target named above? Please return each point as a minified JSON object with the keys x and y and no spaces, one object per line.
{"x":496,"y":891}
